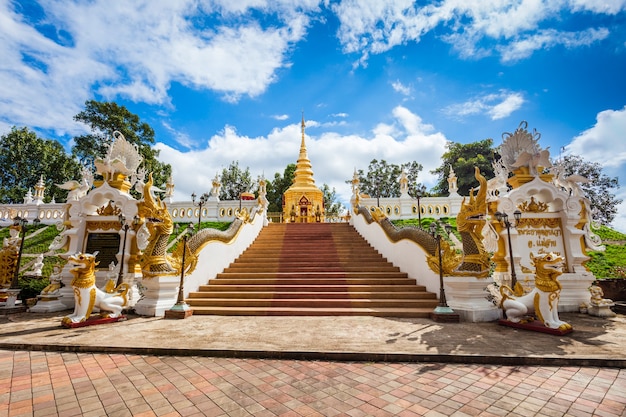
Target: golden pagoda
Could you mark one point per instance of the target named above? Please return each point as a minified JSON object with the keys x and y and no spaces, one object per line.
{"x":303,"y":202}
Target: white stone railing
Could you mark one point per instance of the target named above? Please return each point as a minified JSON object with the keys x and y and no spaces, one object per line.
{"x":227,"y":210}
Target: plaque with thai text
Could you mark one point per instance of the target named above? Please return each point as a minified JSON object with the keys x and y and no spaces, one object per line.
{"x":107,"y":245}
{"x":539,"y":235}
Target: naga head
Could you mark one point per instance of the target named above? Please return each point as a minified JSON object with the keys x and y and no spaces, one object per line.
{"x":154,"y":210}
{"x":473,"y":210}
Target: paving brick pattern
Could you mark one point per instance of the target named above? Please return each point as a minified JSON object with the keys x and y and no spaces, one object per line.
{"x":85,"y":384}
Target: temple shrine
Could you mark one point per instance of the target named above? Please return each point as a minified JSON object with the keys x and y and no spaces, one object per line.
{"x":303,"y":202}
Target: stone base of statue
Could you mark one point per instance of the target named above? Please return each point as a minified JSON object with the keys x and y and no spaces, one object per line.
{"x":48,"y":304}
{"x":535,"y":325}
{"x":92,"y":321}
{"x":10,"y":303}
{"x":158,"y":295}
{"x":467,"y":296}
{"x":601,"y":310}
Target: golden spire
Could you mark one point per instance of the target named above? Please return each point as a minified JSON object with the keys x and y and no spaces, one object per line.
{"x":304,"y":170}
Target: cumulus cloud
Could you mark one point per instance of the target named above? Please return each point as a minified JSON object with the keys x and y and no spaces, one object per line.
{"x":496,"y":106}
{"x":128,"y":50}
{"x":604,"y":143}
{"x":334,"y":156}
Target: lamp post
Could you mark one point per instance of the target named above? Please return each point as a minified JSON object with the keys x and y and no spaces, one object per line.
{"x":203,"y":199}
{"x":181,"y":309}
{"x":419,"y":193}
{"x":442,"y":312}
{"x":503,"y":218}
{"x":125,"y":227}
{"x":20,"y":221}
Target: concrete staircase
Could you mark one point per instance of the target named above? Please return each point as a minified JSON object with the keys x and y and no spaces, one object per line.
{"x":307,"y":269}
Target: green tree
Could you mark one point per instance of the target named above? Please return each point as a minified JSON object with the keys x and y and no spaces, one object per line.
{"x":463,"y":158}
{"x":104,"y":118}
{"x":332,"y":207}
{"x":599,"y":188}
{"x":277,"y":187}
{"x":25,"y":157}
{"x":235,"y":181}
{"x":382,"y":178}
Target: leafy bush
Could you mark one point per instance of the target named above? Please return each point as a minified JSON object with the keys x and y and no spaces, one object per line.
{"x":608,"y":264}
{"x":31,"y":287}
{"x":607,"y":234}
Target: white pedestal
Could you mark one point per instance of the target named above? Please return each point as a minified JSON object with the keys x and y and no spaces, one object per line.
{"x":575,"y":290}
{"x":159,"y":294}
{"x":468,"y":298}
{"x":48,"y":304}
{"x":601,"y":311}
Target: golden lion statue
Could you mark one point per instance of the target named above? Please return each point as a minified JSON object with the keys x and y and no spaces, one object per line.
{"x":543,"y":299}
{"x":87,"y":295}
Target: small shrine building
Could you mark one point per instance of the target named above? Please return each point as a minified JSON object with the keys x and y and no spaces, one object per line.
{"x":303,"y":202}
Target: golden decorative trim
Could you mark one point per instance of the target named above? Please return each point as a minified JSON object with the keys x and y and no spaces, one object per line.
{"x":533,"y":206}
{"x":109,"y":210}
{"x":108,"y":225}
{"x":535,"y":222}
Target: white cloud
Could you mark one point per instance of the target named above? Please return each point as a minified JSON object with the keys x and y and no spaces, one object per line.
{"x":401,"y":88}
{"x":334,"y":156}
{"x":128,"y":49}
{"x":505,"y":108}
{"x":524,"y":46}
{"x":181,"y":138}
{"x":474,"y":28}
{"x":604,"y":143}
{"x":496,"y":106}
{"x":599,"y":6}
{"x":280,"y":117}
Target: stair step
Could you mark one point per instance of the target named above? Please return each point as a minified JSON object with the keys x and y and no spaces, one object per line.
{"x":312,"y":275}
{"x":319,"y":288}
{"x":312,"y":269}
{"x":312,"y":303}
{"x":290,"y":311}
{"x":398,"y":295}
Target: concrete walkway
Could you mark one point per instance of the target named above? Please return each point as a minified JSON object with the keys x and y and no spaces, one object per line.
{"x":594,"y":342}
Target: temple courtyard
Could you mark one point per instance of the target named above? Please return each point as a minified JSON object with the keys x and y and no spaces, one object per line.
{"x":309,"y":366}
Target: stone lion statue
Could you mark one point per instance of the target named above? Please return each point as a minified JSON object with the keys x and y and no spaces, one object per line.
{"x":110,"y":301}
{"x":543,"y":299}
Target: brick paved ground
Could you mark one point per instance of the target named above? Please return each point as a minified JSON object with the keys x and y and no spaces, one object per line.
{"x":67,"y":384}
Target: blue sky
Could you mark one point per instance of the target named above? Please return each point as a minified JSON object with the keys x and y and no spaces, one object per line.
{"x":388,"y":79}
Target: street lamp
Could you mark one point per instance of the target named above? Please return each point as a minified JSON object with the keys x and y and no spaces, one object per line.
{"x":419,"y":193}
{"x":203,"y":199}
{"x":503,"y":218}
{"x":20,"y":221}
{"x":442,"y":312}
{"x":125,"y":227}
{"x":181,"y":309}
